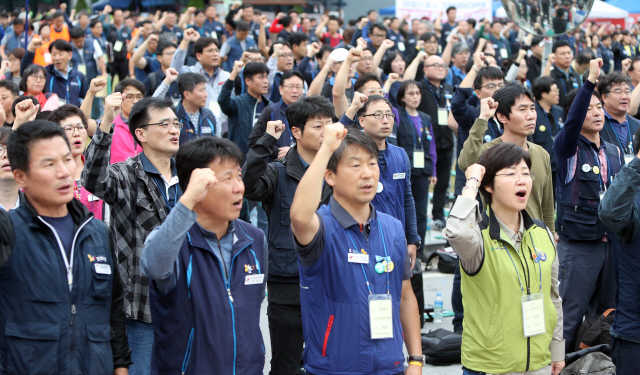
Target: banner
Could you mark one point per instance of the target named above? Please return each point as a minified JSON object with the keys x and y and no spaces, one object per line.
{"x":465,"y":9}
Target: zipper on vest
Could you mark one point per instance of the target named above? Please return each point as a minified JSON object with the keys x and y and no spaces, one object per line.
{"x":73,"y":313}
{"x":528,"y":352}
{"x":73,"y":339}
{"x":226,"y":272}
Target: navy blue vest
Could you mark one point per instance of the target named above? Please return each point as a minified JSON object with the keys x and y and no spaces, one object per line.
{"x":198,"y":327}
{"x":335,"y":303}
{"x":87,"y":55}
{"x":235,"y":51}
{"x":578,"y":200}
{"x":277,"y":113}
{"x":609,"y":134}
{"x":44,"y":328}
{"x":626,"y":259}
{"x":409,"y":140}
{"x":391,"y":199}
{"x":546,"y":129}
{"x":206,"y":124}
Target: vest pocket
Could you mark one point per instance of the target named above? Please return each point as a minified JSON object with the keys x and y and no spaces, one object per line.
{"x":285,"y":207}
{"x":100,"y":358}
{"x":100,"y":288}
{"x":32,"y":347}
{"x":578,"y":223}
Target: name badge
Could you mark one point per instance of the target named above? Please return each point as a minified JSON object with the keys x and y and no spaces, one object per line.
{"x":103,"y":269}
{"x":533,"y":315}
{"x":47,"y":58}
{"x":399,"y":176}
{"x":443,"y":117}
{"x":401,"y":47}
{"x":254,"y":279}
{"x":176,"y":101}
{"x":628,"y":158}
{"x":503,"y":53}
{"x":82,"y":68}
{"x":206,"y":130}
{"x":418,"y":159}
{"x":117,"y":46}
{"x":358,"y":258}
{"x":381,"y":316}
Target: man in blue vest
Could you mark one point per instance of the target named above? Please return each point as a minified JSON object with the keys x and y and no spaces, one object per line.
{"x":566,"y":77}
{"x":232,"y":49}
{"x":622,"y":217}
{"x":197,"y":120}
{"x":208,"y":270}
{"x":61,"y":298}
{"x":274,"y":184}
{"x":356,"y":296}
{"x":87,"y":55}
{"x":291,"y":89}
{"x":586,"y":166}
{"x":619,"y":128}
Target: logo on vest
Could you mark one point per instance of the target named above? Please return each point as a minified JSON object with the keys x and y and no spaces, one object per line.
{"x":249,"y":268}
{"x":97,"y":259}
{"x":539,"y":256}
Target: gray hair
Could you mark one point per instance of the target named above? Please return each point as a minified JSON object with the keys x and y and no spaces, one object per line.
{"x":459,"y":48}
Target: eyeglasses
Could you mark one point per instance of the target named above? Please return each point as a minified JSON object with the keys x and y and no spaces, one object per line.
{"x":432,"y":41}
{"x":38,"y":78}
{"x":379,"y":35}
{"x":292,"y":87}
{"x":367,"y":58}
{"x":380,"y":92}
{"x":492,"y":86}
{"x":168,"y":53}
{"x":516,"y":176}
{"x":70,"y":128}
{"x":437,"y":66}
{"x":132,"y":97}
{"x":380,"y":116}
{"x":620,"y":92}
{"x":165,"y":125}
{"x":285,"y":55}
{"x":211,"y":50}
{"x":412,"y":93}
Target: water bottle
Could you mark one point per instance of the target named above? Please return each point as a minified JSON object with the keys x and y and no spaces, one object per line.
{"x":437,"y":308}
{"x":428,"y":236}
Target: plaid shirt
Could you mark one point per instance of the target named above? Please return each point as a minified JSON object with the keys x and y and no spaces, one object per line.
{"x":116,"y":184}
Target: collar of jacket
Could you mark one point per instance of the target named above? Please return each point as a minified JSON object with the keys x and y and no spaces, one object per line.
{"x":204,"y":113}
{"x":240,"y":238}
{"x":494,"y":226}
{"x":79,"y":213}
{"x":294,"y":169}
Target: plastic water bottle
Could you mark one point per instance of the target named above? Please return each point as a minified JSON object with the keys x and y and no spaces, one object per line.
{"x":437,"y":308}
{"x":428,"y":236}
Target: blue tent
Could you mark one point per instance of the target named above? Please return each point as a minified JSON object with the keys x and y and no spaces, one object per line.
{"x":631,"y":6}
{"x":388,"y":11}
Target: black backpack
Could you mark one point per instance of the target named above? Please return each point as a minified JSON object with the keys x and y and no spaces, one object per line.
{"x":595,"y":330}
{"x":447,"y":260}
{"x":441,"y":347}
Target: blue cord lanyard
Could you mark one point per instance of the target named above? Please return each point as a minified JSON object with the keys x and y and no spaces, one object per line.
{"x":434,"y":95}
{"x":162,"y":190}
{"x":68,"y":84}
{"x":386,"y":256}
{"x":413,"y":128}
{"x":618,"y":138}
{"x":516,"y":268}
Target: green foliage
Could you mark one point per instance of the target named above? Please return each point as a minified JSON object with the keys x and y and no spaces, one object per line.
{"x":82,"y":5}
{"x":199,"y":4}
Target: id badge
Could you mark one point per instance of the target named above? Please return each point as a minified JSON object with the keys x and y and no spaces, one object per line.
{"x":418,"y":159}
{"x":176,"y":101}
{"x":533,"y":315}
{"x":400,"y":46}
{"x":504,"y":54}
{"x":117,"y":46}
{"x":628,"y":158}
{"x":381,"y":316}
{"x":47,"y":58}
{"x":61,"y":102}
{"x":206,"y":130}
{"x":358,"y":258}
{"x":82,"y":68}
{"x":102,"y":269}
{"x":254,"y":279}
{"x":601,"y":194}
{"x":443,"y":117}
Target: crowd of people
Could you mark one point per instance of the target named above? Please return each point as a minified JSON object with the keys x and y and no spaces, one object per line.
{"x":160,"y":174}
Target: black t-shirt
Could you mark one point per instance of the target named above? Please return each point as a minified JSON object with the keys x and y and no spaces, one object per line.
{"x":64,"y":229}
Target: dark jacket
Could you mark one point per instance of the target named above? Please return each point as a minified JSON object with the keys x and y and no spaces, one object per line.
{"x":70,"y":90}
{"x":274,"y":184}
{"x":465,"y":108}
{"x":608,"y":133}
{"x":430,"y":104}
{"x":546,"y":129}
{"x":534,"y":65}
{"x":273,"y":112}
{"x":206,"y":124}
{"x":45,"y":328}
{"x":240,"y":110}
{"x":566,"y":83}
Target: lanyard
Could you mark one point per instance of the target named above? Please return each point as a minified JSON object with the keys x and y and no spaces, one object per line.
{"x":413,"y":133}
{"x":603,"y":185}
{"x":630,"y":149}
{"x":68,"y":85}
{"x":527,"y":278}
{"x":386,"y":256}
{"x":162,"y":191}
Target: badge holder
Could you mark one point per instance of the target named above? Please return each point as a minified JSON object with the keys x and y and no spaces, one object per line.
{"x":533,"y":320}
{"x":418,"y":158}
{"x":381,"y":316}
{"x":504,"y":54}
{"x":443,"y":117}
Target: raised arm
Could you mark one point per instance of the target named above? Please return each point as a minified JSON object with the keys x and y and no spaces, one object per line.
{"x":262,"y":37}
{"x":551,"y":59}
{"x":315,"y":88}
{"x":227,"y":104}
{"x":472,"y":148}
{"x":446,"y":54}
{"x":261,"y":185}
{"x":377,"y":58}
{"x":393,"y":78}
{"x":131,"y":46}
{"x":412,"y":69}
{"x":186,"y":17}
{"x":323,"y":22}
{"x":478,"y":63}
{"x":340,"y":101}
{"x":95,"y":86}
{"x":138,"y":57}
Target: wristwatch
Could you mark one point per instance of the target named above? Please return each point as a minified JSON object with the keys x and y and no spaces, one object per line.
{"x":417,"y":243}
{"x":416,"y":358}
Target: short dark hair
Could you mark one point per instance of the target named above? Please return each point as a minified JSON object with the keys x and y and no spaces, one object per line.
{"x":142,"y":23}
{"x":536,"y":40}
{"x":201,"y":152}
{"x":503,"y":155}
{"x":31,"y":70}
{"x":18,"y":21}
{"x":140,"y":116}
{"x":4,"y":134}
{"x":323,"y":49}
{"x":354,"y":138}
{"x":559,"y":43}
{"x":20,"y":99}
{"x":584,"y":57}
{"x":379,"y":26}
{"x":242,"y":26}
{"x":93,"y":23}
{"x":285,"y":21}
{"x":386,"y":65}
{"x":18,"y":53}
{"x":297,"y":38}
{"x":560,"y":13}
{"x":21,"y":140}
{"x":291,"y":73}
{"x":635,"y":60}
{"x":308,"y":107}
{"x":428,"y":35}
{"x":58,"y":13}
{"x":164,"y":44}
{"x":571,"y":96}
{"x":403,"y":87}
{"x":450,"y":9}
{"x":508,"y":95}
{"x":122,"y":85}
{"x":66,"y":111}
{"x":487,"y":73}
{"x":373,"y":99}
{"x":364,"y":78}
{"x":253,"y":68}
{"x":10,"y":86}
{"x":615,"y":78}
{"x":189,"y":81}
{"x":203,"y":43}
{"x":60,"y":45}
{"x":76,"y":33}
{"x":542,"y":85}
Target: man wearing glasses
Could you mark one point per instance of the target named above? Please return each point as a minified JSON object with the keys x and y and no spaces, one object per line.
{"x":281,"y":61}
{"x":140,"y":191}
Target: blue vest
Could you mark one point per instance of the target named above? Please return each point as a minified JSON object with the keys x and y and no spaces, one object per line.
{"x":391,"y":199}
{"x":44,"y":328}
{"x":579,"y":199}
{"x":546,"y":130}
{"x":87,"y":55}
{"x":626,"y":259}
{"x":206,"y":122}
{"x":335,"y":303}
{"x":609,"y":134}
{"x":197,"y":326}
{"x":409,"y":140}
{"x":278,"y":114}
{"x":235,"y":51}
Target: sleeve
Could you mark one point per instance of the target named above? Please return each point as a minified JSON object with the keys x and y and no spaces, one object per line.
{"x":5,"y":40}
{"x":616,"y":211}
{"x":304,"y":63}
{"x":260,"y":178}
{"x":556,"y":347}
{"x":512,"y":73}
{"x":224,"y":50}
{"x":27,"y":60}
{"x":411,"y":227}
{"x":310,"y":254}
{"x":7,"y":237}
{"x":97,"y":50}
{"x":462,"y":112}
{"x":346,"y":121}
{"x":161,"y":248}
{"x":359,"y":33}
{"x":472,"y":148}
{"x":468,"y":244}
{"x":98,"y":177}
{"x":433,"y":151}
{"x":177,"y":62}
{"x":566,"y":140}
{"x":548,"y":209}
{"x":227,"y":104}
{"x":161,"y":91}
{"x":117,"y":319}
{"x":272,"y":64}
{"x":406,"y":266}
{"x":260,"y":128}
